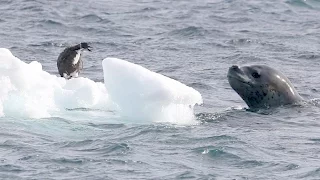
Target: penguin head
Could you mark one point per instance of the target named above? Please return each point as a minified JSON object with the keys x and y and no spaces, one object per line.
{"x":85,"y":45}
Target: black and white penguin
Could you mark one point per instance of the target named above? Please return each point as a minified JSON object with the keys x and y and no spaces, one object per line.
{"x":69,"y":61}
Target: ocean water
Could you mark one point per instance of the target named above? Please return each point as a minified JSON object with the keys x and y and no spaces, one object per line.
{"x":194,"y":42}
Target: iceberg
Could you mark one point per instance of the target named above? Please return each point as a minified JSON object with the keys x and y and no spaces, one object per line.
{"x":145,"y":95}
{"x":28,"y":91}
{"x":130,"y":91}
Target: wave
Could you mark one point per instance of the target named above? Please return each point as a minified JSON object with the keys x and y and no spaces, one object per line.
{"x":190,"y":31}
{"x":94,"y":18}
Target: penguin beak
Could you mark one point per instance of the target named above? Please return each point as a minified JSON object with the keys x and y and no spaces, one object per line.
{"x":89,"y":48}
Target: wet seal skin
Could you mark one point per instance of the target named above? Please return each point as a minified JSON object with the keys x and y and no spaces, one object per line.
{"x":261,"y":86}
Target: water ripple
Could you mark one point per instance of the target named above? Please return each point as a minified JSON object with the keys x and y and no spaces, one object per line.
{"x":192,"y":41}
{"x":217,"y":153}
{"x":191,"y":31}
{"x":10,"y":168}
{"x":90,"y":18}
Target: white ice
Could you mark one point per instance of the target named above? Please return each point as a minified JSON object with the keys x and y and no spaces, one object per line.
{"x":131,"y":91}
{"x":145,"y":95}
{"x":28,"y":91}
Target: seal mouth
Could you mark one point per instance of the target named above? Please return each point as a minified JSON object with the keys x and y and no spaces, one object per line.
{"x":236,"y":74}
{"x":238,"y":79}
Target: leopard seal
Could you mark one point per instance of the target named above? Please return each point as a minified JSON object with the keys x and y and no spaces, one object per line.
{"x":69,"y":60}
{"x":261,"y":86}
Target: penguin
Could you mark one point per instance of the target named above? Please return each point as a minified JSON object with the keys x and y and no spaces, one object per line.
{"x":69,"y":60}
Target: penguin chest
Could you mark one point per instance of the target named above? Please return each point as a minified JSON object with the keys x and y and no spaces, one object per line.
{"x":76,"y":59}
{"x":72,"y":71}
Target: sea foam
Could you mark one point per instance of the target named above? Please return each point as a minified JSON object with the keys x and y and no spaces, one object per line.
{"x":129,"y":90}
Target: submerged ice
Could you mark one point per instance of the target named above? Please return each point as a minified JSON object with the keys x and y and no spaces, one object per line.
{"x":130,"y":90}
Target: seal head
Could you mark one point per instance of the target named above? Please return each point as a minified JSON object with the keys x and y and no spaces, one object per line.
{"x":261,"y":86}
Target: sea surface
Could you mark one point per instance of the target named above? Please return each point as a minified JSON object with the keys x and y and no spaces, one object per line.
{"x":194,"y":42}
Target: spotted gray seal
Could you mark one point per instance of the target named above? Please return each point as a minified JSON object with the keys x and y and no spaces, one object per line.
{"x":261,"y":86}
{"x":69,"y":60}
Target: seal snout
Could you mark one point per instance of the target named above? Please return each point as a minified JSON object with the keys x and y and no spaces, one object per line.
{"x":234,"y":67}
{"x":234,"y":70}
{"x":236,"y":76}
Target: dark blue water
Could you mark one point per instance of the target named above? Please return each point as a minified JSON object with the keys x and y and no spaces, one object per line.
{"x":193,"y":42}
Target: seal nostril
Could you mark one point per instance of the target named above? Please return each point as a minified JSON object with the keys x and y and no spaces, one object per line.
{"x":234,"y":67}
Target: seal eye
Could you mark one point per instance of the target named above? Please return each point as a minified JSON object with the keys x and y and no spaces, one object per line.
{"x":255,"y":75}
